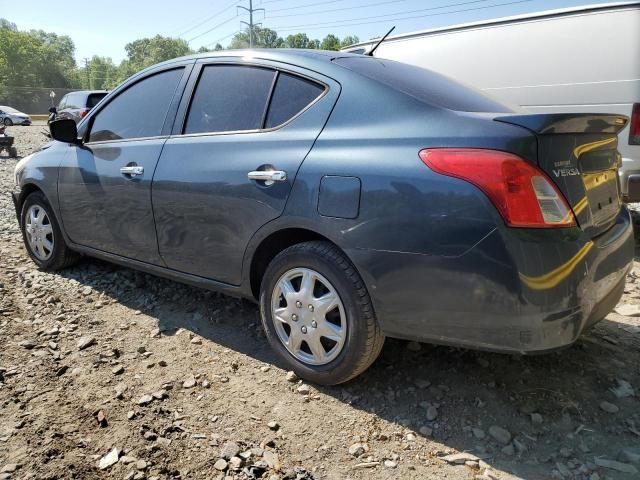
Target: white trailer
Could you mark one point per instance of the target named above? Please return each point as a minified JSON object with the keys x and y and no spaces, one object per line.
{"x":584,"y":59}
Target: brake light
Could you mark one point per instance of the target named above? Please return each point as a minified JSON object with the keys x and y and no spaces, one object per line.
{"x":523,"y":195}
{"x":634,"y":126}
{"x":83,"y":112}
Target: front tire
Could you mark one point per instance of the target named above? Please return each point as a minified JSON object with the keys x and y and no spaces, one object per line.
{"x":42,"y":235}
{"x":8,"y":122}
{"x":317,"y":314}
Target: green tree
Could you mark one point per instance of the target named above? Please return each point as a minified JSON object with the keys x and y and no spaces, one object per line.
{"x":262,"y":38}
{"x":330,"y":42}
{"x":299,"y":40}
{"x":102,"y":73}
{"x":148,"y":51}
{"x":218,"y":47}
{"x":6,"y":24}
{"x":349,"y":40}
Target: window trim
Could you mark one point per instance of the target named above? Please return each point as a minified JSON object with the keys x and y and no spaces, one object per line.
{"x":277,"y":70}
{"x":174,"y":102}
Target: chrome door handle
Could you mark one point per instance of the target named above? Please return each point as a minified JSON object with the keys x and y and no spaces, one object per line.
{"x":268,"y":176}
{"x":132,"y":170}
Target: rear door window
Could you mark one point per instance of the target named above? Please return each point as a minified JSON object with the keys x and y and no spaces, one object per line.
{"x":291,"y":95}
{"x":229,"y":98}
{"x":94,"y":98}
{"x":139,"y":111}
{"x":72,"y":101}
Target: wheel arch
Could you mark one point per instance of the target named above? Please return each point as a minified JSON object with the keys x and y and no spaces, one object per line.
{"x":273,"y":242}
{"x":26,"y":190}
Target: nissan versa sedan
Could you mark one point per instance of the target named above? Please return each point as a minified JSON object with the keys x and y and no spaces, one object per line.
{"x":354,"y":198}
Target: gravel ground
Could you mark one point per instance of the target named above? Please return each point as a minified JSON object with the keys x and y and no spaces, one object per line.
{"x":110,"y":373}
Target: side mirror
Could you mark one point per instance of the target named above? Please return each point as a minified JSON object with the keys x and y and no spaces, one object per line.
{"x":64,"y":130}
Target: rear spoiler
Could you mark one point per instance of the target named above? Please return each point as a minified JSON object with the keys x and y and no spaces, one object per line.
{"x":550,"y":123}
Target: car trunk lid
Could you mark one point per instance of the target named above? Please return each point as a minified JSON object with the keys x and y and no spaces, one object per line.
{"x":579,"y":154}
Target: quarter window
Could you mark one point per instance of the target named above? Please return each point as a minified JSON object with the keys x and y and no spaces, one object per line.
{"x":229,"y":98}
{"x":139,"y":111}
{"x":291,"y":95}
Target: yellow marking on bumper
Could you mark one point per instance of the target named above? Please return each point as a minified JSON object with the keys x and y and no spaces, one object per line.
{"x":554,"y":277}
{"x":587,"y":147}
{"x":581,"y":205}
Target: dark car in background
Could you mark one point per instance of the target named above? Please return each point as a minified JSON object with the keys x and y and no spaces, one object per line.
{"x":352,"y":197}
{"x":76,"y":105}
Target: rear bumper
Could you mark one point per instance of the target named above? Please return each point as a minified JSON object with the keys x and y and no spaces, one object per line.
{"x":519,"y":291}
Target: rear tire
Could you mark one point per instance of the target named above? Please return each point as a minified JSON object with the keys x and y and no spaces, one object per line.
{"x":42,"y":235}
{"x":350,"y":325}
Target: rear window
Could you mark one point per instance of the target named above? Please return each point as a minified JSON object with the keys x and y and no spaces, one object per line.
{"x":291,"y":95}
{"x":424,"y":85}
{"x":94,"y":98}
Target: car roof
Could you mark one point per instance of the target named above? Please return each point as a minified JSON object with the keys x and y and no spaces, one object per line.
{"x":296,"y":56}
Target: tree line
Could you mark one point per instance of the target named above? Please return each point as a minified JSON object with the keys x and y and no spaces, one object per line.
{"x":35,"y":59}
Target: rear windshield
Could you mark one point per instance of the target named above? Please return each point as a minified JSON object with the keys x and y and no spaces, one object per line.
{"x":94,"y":98}
{"x":424,"y":85}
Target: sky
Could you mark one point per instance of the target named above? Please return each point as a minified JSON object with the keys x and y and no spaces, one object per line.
{"x":105,"y":27}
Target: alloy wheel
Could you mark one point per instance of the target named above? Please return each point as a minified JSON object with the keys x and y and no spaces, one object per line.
{"x":308,"y":316}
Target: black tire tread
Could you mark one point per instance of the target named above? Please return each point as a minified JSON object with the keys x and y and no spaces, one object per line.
{"x":64,"y":257}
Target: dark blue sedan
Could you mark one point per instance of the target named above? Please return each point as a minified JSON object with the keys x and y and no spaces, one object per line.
{"x":354,"y":198}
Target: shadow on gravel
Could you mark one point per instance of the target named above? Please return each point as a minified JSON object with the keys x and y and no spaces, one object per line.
{"x":549,"y":405}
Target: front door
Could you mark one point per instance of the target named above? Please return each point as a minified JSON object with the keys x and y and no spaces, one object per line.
{"x":104,"y":185}
{"x":242,"y":118}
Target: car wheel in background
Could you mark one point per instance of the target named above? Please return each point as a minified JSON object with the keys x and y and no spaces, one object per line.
{"x":318,"y":315}
{"x":8,"y":122}
{"x":42,"y":235}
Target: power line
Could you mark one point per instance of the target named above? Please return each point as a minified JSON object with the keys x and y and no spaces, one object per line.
{"x":202,"y":22}
{"x":350,"y":23}
{"x":321,"y":3}
{"x":212,"y":28}
{"x":386,"y":2}
{"x":223,"y":38}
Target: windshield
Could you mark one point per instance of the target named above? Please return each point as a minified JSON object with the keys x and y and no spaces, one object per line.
{"x":425,"y":85}
{"x":9,"y":109}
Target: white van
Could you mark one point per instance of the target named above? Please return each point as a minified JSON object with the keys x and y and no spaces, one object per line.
{"x":584,"y":59}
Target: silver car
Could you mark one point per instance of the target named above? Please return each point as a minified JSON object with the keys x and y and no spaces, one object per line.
{"x":10,"y":116}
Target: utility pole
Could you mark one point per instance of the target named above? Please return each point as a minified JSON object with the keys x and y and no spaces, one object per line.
{"x":87,"y":73}
{"x":250,"y":24}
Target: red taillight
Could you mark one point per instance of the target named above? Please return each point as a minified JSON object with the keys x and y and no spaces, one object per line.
{"x":522,"y":193}
{"x":634,"y":126}
{"x":83,"y":112}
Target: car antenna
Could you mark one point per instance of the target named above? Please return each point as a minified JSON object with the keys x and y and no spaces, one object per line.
{"x":370,"y":52}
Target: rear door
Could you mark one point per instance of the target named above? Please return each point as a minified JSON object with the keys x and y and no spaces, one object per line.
{"x":104,"y":185}
{"x":243,"y":117}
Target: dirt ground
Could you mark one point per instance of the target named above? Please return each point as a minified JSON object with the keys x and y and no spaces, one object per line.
{"x":106,"y":372}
